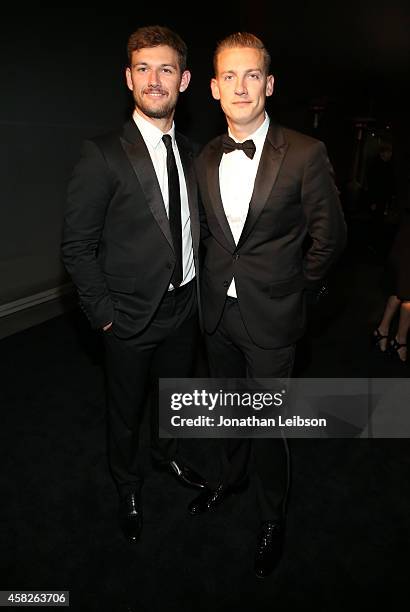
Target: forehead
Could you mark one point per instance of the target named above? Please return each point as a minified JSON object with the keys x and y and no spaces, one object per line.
{"x":238,"y":59}
{"x":162,"y":54}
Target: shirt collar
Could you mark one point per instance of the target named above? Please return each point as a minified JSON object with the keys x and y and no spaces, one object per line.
{"x":258,"y":136}
{"x":150,"y":133}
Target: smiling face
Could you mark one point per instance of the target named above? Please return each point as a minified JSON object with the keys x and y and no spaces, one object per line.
{"x":241,"y":85}
{"x":155,"y":80}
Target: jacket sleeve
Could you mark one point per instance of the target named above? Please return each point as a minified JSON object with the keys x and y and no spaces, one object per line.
{"x":89,"y":193}
{"x":323,"y":211}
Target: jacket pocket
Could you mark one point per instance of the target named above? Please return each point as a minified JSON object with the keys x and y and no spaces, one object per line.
{"x":121,"y":284}
{"x":287,"y":286}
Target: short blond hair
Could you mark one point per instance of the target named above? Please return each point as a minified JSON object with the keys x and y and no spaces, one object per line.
{"x":242,"y":39}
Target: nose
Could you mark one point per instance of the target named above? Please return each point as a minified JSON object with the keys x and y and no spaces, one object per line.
{"x":153,"y":80}
{"x":240,"y":87}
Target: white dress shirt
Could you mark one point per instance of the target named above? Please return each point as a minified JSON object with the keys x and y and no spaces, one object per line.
{"x":237,"y":173}
{"x":153,"y":139}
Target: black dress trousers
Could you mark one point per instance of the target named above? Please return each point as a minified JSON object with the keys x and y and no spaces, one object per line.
{"x":165,"y":349}
{"x":232,"y":354}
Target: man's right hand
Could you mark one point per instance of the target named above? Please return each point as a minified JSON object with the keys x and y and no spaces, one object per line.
{"x":107,"y":327}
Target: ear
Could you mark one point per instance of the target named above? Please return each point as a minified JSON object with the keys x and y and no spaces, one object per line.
{"x":269,"y":85}
{"x":186,"y":77}
{"x":128,"y":78}
{"x":215,"y":89}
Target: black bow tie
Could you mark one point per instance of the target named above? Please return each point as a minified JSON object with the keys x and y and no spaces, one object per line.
{"x":229,"y":145}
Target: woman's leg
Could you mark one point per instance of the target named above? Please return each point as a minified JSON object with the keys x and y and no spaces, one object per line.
{"x":402,"y":330}
{"x":390,"y":310}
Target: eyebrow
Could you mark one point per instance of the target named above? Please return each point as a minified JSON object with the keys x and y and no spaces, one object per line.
{"x":246,"y":71}
{"x":160,"y":66}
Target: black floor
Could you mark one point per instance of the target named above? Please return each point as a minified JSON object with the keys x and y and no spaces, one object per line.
{"x":348,"y":521}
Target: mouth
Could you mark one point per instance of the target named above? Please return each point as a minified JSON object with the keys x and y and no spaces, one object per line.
{"x":155,"y":94}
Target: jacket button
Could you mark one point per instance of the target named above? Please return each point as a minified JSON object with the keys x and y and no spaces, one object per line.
{"x":236,"y":256}
{"x":169,"y":265}
{"x":226,"y":284}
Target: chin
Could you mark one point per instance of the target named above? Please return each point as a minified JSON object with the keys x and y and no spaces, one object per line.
{"x":242,"y":119}
{"x":159,"y":112}
{"x":242,"y":112}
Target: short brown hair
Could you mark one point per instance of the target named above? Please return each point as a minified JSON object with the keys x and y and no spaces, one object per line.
{"x":242,"y":39}
{"x":154,"y":36}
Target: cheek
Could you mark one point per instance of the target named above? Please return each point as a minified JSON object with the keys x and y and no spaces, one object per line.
{"x":171,"y":85}
{"x":136,"y":82}
{"x":225,"y":97}
{"x":259,"y":98}
{"x":224,"y":104}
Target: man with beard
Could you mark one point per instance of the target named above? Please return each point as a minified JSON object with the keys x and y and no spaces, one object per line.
{"x":130,"y":243}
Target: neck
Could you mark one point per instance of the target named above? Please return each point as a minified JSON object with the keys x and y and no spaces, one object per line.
{"x":164,"y":124}
{"x":241,"y":132}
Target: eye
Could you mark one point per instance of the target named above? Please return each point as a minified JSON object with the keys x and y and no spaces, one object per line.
{"x":228,"y":77}
{"x":167,"y":70}
{"x":254,"y":75}
{"x":142,"y":69}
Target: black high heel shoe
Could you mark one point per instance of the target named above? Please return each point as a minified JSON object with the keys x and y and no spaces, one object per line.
{"x":394,"y":348}
{"x":377,"y":337}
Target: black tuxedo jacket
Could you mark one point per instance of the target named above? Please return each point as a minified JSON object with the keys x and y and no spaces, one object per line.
{"x":294,"y":195}
{"x":117,"y":244}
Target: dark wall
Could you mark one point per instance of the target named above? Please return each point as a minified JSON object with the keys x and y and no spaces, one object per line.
{"x":63,"y":81}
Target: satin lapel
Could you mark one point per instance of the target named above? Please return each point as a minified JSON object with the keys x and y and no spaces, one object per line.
{"x":137,"y":152}
{"x":213,"y":161}
{"x":191,"y":185}
{"x":273,"y":153}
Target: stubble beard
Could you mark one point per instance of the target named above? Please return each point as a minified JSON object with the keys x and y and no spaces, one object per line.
{"x":161,"y":112}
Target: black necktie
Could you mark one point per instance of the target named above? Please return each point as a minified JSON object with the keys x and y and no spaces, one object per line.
{"x":229,"y":145}
{"x":174,"y":210}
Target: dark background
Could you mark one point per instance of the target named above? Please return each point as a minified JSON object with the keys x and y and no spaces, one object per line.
{"x":348,"y":527}
{"x":62,"y":80}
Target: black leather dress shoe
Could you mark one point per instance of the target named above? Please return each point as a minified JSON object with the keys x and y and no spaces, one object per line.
{"x":209,"y":499}
{"x":184,"y":474}
{"x":131,"y":517}
{"x":269,"y":548}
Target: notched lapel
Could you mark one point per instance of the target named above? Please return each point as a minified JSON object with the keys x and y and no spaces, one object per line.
{"x":214,"y":159}
{"x":273,"y":153}
{"x":140,"y":159}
